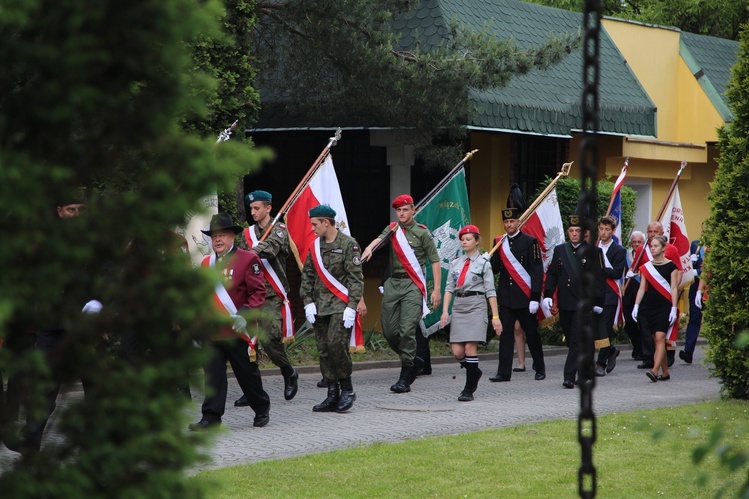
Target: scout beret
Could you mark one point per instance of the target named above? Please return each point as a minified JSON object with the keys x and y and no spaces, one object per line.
{"x":322,"y":211}
{"x":258,"y":196}
{"x":468,"y":229}
{"x":402,"y":200}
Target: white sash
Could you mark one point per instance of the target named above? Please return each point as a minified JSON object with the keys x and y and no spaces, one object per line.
{"x":334,"y":285}
{"x":516,"y":270}
{"x":410,"y":263}
{"x":614,"y":285}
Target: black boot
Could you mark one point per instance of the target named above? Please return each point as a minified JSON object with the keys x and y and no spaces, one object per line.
{"x":467,"y":394}
{"x":403,"y":385}
{"x":330,"y":403}
{"x":347,"y":396}
{"x":290,"y":385}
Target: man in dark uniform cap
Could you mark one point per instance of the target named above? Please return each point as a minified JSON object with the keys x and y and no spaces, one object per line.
{"x":520,"y":267}
{"x":564,"y":275}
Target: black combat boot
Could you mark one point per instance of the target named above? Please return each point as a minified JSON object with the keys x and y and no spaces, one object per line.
{"x":347,"y":396}
{"x":403,"y":385}
{"x":330,"y":403}
{"x":467,"y":394}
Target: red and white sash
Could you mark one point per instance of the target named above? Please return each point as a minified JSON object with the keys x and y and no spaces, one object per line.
{"x":518,"y":273}
{"x":224,"y":304}
{"x":615,"y":287}
{"x":664,"y":288}
{"x":356,"y":342}
{"x":287,"y":320}
{"x":410,"y":263}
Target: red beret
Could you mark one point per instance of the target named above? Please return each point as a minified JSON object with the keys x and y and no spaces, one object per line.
{"x":402,"y":200}
{"x":468,"y":229}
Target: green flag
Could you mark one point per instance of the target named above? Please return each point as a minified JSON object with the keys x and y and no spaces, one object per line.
{"x":445,"y":214}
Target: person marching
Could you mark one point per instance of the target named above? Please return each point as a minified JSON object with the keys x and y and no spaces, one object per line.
{"x":405,"y":293}
{"x":332,"y":285}
{"x":243,"y":290}
{"x":520,"y":267}
{"x":471,"y":281}
{"x":658,"y":294}
{"x":636,"y":240}
{"x":565,"y":272}
{"x":614,"y":260}
{"x":273,"y":252}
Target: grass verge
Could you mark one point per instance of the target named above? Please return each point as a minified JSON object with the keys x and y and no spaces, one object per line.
{"x":637,"y":454}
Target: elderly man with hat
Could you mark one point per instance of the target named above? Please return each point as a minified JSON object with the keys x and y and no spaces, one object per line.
{"x":273,"y":252}
{"x":242,"y":290}
{"x":471,"y":281}
{"x":332,"y":285}
{"x":564,"y":276}
{"x":404,"y":300}
{"x":519,"y":264}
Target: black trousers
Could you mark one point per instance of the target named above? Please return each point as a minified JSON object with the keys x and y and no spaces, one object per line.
{"x":606,"y":327}
{"x":422,"y":349}
{"x":571,"y":328}
{"x":529,"y":323}
{"x":247,"y":373}
{"x":630,"y":326}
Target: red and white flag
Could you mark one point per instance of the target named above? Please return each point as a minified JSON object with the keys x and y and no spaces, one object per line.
{"x":675,"y":230}
{"x":323,"y":188}
{"x":545,"y":224}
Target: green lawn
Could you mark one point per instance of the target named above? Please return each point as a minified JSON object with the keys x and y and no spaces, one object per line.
{"x":637,"y":454}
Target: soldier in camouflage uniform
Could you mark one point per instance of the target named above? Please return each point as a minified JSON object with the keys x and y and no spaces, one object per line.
{"x":403,"y":300}
{"x":275,"y":250}
{"x":332,"y":285}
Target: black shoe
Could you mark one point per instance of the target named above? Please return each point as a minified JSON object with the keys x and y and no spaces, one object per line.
{"x":347,"y":397}
{"x":331,"y":401}
{"x":465,"y":396}
{"x":403,"y":385}
{"x":204,"y":424}
{"x":290,"y":385}
{"x":498,"y":379}
{"x":568,"y":384}
{"x":611,"y":363}
{"x":322,"y":383}
{"x":540,"y":376}
{"x":652,"y":376}
{"x":685,"y":356}
{"x":242,"y":402}
{"x":661,"y":377}
{"x":518,"y":369}
{"x":261,"y":420}
{"x":600,"y":372}
{"x":645,"y":365}
{"x":671,"y":356}
{"x":427,"y":371}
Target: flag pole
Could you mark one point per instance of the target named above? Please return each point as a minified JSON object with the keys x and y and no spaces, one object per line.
{"x":423,"y":202}
{"x":636,"y":262}
{"x":225,"y":134}
{"x":332,"y":141}
{"x":613,"y":193}
{"x":565,"y":171}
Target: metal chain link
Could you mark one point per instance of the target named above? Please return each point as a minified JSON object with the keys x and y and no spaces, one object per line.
{"x":586,"y":423}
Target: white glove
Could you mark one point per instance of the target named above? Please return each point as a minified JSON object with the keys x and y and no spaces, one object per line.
{"x":597,"y":310}
{"x":382,"y":289}
{"x":693,"y":257}
{"x":310,"y":311}
{"x":672,"y":316}
{"x":548,"y":302}
{"x":92,"y":307}
{"x":533,"y":307}
{"x":698,"y":299}
{"x":349,"y":316}
{"x":630,"y":274}
{"x":695,"y":273}
{"x":486,"y":256}
{"x":635,"y":309}
{"x":240,"y":323}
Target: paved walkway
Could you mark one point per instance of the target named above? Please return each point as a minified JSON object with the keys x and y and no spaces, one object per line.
{"x":431,"y":408}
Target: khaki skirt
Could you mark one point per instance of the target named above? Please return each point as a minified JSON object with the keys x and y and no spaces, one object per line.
{"x":469,"y":319}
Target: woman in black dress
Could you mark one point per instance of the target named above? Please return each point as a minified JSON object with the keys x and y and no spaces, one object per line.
{"x":658,"y":295}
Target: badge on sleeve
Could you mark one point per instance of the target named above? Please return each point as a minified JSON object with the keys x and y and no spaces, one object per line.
{"x":357,"y":260}
{"x":256,"y":268}
{"x":279,"y":233}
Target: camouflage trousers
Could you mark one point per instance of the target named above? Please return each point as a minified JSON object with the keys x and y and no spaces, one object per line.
{"x":272,"y":340}
{"x":333,"y":346}
{"x":401,"y":312}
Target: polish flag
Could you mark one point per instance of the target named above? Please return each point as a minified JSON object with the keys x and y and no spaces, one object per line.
{"x":545,"y":224}
{"x":615,"y":202}
{"x":322,"y":189}
{"x":675,"y":230}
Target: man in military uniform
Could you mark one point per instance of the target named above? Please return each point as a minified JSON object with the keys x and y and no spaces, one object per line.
{"x":332,"y":285}
{"x":405,"y":293}
{"x":273,"y":252}
{"x":564,"y":275}
{"x":614,"y":261}
{"x":243,"y":290}
{"x":520,"y":267}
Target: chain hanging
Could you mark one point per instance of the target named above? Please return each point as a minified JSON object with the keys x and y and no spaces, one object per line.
{"x":586,"y":423}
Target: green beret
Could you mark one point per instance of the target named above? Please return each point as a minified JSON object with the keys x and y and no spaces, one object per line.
{"x":258,"y":196}
{"x":322,"y":211}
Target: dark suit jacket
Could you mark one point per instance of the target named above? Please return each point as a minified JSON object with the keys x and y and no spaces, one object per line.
{"x":525,"y":249}
{"x":617,"y":256}
{"x":561,"y":275}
